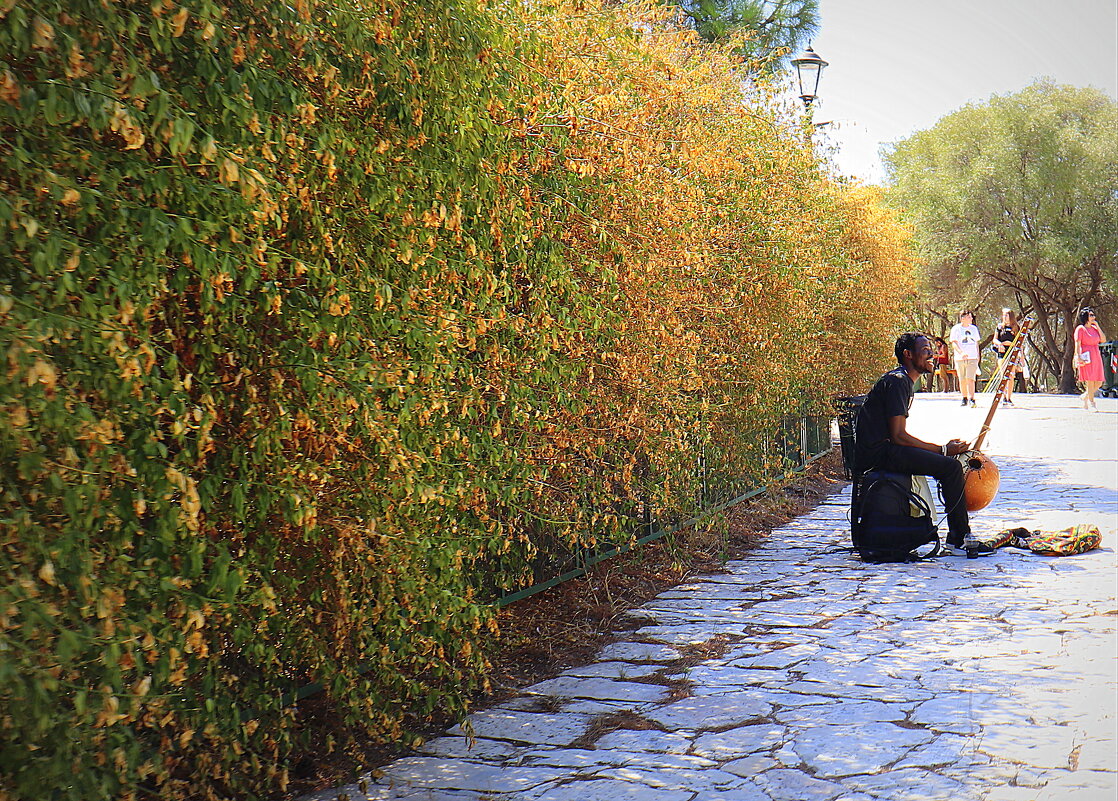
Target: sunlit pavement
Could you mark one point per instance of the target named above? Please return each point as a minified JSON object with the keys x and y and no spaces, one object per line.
{"x":801,"y":673}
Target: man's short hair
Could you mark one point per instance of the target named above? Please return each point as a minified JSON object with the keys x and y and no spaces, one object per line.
{"x":907,"y":342}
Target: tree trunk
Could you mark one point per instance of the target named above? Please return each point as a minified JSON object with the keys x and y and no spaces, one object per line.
{"x":1068,"y":379}
{"x":1069,"y":383}
{"x":1062,"y":351}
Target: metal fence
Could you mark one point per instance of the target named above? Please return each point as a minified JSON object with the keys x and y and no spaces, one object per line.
{"x":797,"y":442}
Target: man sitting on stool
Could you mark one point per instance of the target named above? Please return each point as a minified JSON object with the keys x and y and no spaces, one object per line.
{"x":881,"y":442}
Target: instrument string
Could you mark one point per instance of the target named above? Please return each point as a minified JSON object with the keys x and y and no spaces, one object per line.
{"x":981,"y":476}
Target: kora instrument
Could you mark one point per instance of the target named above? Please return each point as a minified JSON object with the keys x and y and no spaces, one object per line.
{"x":981,"y":477}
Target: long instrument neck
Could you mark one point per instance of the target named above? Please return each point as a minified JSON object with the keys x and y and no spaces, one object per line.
{"x":1006,"y":373}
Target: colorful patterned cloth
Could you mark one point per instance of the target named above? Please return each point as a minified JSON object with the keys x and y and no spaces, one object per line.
{"x":1007,"y":537}
{"x":1066,"y":542}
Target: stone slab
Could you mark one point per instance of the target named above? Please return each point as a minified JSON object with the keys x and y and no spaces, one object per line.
{"x":533,"y":728}
{"x":639,"y":652}
{"x":740,"y":742}
{"x":831,"y":751}
{"x":598,"y":689}
{"x":458,"y":774}
{"x":610,"y":790}
{"x":710,"y":713}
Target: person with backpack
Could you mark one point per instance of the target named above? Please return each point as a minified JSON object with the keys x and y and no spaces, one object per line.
{"x":882,"y":443}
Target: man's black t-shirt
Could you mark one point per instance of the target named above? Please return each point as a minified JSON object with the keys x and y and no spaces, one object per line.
{"x":891,"y":396}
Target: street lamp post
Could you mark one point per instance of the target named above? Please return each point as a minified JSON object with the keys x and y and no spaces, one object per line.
{"x":809,"y":66}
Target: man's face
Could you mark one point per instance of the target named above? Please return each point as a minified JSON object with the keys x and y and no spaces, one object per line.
{"x":923,"y":357}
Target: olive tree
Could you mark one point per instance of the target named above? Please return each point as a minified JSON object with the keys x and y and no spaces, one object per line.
{"x":1016,"y":197}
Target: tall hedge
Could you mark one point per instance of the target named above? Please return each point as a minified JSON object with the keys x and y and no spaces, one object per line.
{"x":322,"y":319}
{"x":752,"y":286}
{"x":267,"y":299}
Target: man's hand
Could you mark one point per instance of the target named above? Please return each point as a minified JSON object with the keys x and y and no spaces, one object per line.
{"x":957,"y":446}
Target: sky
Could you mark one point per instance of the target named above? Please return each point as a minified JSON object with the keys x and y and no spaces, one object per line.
{"x":898,"y":66}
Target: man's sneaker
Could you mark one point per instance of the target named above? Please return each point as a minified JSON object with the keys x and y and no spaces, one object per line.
{"x":971,"y":548}
{"x":973,"y":403}
{"x":965,"y":403}
{"x":1007,"y":402}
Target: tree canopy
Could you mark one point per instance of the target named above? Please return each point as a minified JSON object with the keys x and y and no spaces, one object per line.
{"x":1015,"y":197}
{"x":773,"y":28}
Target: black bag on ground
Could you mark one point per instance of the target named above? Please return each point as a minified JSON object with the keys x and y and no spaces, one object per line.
{"x":882,"y":525}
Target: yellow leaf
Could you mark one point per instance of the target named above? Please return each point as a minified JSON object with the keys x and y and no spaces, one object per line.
{"x":142,"y":687}
{"x":42,"y":34}
{"x":42,"y":373}
{"x":75,"y":64}
{"x":46,"y":572}
{"x":178,"y":22}
{"x":230,"y":173}
{"x":306,"y":113}
{"x":9,"y":89}
{"x":123,"y":124}
{"x":195,"y":619}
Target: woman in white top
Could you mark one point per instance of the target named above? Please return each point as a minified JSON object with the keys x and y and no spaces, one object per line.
{"x":964,"y":348}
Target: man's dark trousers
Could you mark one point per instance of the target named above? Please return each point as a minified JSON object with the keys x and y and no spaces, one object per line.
{"x":945,"y":469}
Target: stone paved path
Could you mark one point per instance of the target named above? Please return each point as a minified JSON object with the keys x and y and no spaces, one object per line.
{"x":801,"y":673}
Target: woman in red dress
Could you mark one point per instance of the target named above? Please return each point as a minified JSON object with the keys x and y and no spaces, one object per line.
{"x":1087,"y":359}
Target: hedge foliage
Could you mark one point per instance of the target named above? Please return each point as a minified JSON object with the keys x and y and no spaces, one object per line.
{"x":319,"y":318}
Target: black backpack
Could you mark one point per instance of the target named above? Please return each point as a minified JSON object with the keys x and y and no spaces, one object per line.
{"x":882,"y":526}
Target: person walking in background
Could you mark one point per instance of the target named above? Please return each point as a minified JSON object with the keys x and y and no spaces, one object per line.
{"x":1003,"y":338}
{"x":944,"y":372}
{"x":1088,"y":359}
{"x":964,"y":348}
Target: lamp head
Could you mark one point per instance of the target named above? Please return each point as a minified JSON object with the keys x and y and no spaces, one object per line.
{"x":808,"y":68}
